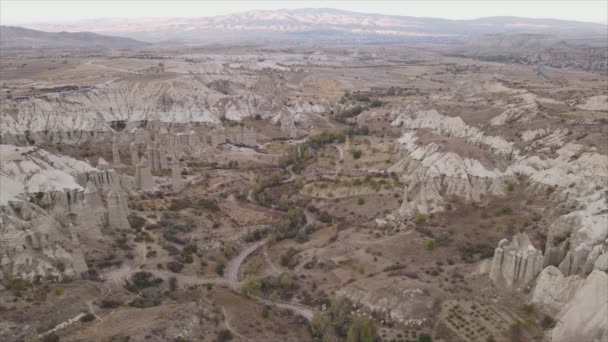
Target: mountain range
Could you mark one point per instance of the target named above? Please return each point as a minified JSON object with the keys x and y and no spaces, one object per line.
{"x":320,"y":25}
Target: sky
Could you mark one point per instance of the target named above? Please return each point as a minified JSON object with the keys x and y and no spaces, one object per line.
{"x":14,"y":12}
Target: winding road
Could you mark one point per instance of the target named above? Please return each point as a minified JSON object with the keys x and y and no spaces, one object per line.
{"x":232,"y":277}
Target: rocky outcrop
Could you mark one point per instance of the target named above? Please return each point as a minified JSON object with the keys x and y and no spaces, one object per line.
{"x":516,"y":263}
{"x":143,"y":176}
{"x":91,"y":216}
{"x":176,"y":176}
{"x":553,"y":290}
{"x":34,"y":244}
{"x":118,"y":210}
{"x":433,"y":172}
{"x":115,"y":152}
{"x":133,"y":149}
{"x":580,"y":305}
{"x":103,"y":165}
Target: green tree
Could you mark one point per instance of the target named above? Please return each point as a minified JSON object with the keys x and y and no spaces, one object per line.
{"x":251,"y":287}
{"x":361,"y":330}
{"x":254,"y":266}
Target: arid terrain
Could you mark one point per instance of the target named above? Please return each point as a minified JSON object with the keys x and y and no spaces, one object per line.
{"x":298,"y":192}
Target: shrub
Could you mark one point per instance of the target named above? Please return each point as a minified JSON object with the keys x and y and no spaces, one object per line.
{"x":471,"y":253}
{"x":324,"y":217}
{"x":528,"y":309}
{"x":360,"y":201}
{"x":19,"y":284}
{"x":265,"y":312}
{"x":285,"y":281}
{"x":425,"y":338}
{"x":443,"y":239}
{"x":175,"y":266}
{"x":420,"y":218}
{"x":255,"y":235}
{"x":547,"y":322}
{"x":145,"y":302}
{"x":219,"y":268}
{"x":506,"y":210}
{"x":141,"y":280}
{"x":208,"y":204}
{"x":302,"y":236}
{"x":429,"y":244}
{"x":253,"y":266}
{"x":59,"y":291}
{"x":229,"y":248}
{"x":257,"y":117}
{"x":110,"y":303}
{"x":361,"y":330}
{"x":223,"y":335}
{"x":136,"y":222}
{"x":51,"y":337}
{"x":376,"y":103}
{"x":356,"y":154}
{"x":172,"y":284}
{"x":251,"y":287}
{"x":88,"y":317}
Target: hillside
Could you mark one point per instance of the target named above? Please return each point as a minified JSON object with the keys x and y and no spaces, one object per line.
{"x":12,"y":37}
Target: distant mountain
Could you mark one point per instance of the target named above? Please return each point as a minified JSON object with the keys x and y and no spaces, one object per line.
{"x":320,"y":25}
{"x":12,"y":37}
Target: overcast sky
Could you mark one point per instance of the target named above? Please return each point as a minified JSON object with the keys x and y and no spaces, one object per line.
{"x":24,"y":11}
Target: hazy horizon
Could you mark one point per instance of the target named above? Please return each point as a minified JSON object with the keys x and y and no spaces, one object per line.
{"x":29,"y":12}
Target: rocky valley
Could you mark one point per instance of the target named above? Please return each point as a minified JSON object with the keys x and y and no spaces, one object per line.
{"x":414,"y":191}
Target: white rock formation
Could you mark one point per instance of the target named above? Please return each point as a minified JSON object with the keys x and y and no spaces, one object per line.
{"x":133,"y":149}
{"x":585,"y":315}
{"x":118,"y":210}
{"x":115,"y":152}
{"x":34,"y":244}
{"x":38,"y":171}
{"x":434,"y":169}
{"x":163,"y":160}
{"x":516,"y":263}
{"x":431,"y":174}
{"x":176,"y":175}
{"x":91,"y":216}
{"x":553,"y":290}
{"x":103,"y":165}
{"x":143,"y":176}
{"x":523,"y":113}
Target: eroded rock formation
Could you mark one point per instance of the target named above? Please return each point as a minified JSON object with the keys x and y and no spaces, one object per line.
{"x":143,"y":176}
{"x":579,"y":304}
{"x":516,"y":263}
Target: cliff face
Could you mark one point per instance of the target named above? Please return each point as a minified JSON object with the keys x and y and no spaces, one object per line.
{"x":174,"y":98}
{"x":46,"y":213}
{"x":580,"y":304}
{"x":35,"y":244}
